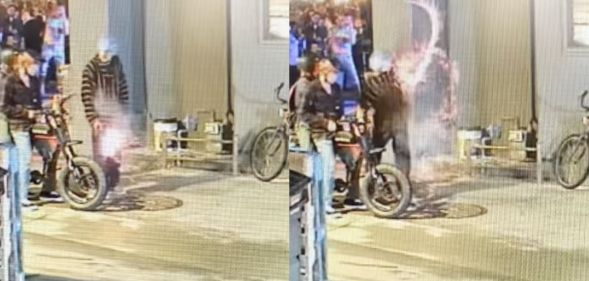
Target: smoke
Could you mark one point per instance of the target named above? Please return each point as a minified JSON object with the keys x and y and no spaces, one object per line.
{"x":429,"y":78}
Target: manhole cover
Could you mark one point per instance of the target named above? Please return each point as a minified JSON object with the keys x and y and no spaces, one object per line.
{"x":136,"y":202}
{"x":462,"y":210}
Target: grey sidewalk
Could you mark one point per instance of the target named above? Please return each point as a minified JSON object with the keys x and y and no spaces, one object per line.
{"x":478,"y":229}
{"x":170,"y":225}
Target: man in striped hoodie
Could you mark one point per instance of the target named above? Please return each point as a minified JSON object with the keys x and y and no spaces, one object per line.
{"x":389,"y":109}
{"x":105,"y":96}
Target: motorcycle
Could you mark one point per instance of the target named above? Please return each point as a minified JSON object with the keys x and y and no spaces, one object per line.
{"x":383,"y":188}
{"x":81,"y":182}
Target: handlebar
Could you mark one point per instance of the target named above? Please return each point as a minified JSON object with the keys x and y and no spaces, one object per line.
{"x":583,"y":96}
{"x":278,"y":90}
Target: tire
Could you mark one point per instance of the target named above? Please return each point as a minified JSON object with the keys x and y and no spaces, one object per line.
{"x":367,"y":185}
{"x":99,"y":181}
{"x":278,"y":151}
{"x":561,"y":154}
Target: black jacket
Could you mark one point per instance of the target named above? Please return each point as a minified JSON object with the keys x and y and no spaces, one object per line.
{"x":33,"y":34}
{"x":12,"y":28}
{"x":18,"y":99}
{"x":316,"y":106}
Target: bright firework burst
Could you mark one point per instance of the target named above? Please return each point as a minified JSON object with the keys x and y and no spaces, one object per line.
{"x":414,"y":69}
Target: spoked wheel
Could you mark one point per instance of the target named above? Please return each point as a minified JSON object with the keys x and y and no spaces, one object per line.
{"x":571,"y":165}
{"x":388,"y":194}
{"x":269,"y":153}
{"x":84,"y":188}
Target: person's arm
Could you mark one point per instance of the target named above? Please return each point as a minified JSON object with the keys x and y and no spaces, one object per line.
{"x":122,"y":86}
{"x":88,"y":92}
{"x":353,"y":36}
{"x":10,"y":108}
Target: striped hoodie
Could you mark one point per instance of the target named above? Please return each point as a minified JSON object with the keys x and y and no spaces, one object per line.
{"x":103,"y":81}
{"x":383,"y":93}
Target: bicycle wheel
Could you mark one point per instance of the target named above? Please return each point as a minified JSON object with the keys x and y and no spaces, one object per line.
{"x":571,"y":165}
{"x":269,"y":153}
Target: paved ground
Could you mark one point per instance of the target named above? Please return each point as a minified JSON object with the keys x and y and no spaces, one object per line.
{"x":469,"y":229}
{"x":170,"y":225}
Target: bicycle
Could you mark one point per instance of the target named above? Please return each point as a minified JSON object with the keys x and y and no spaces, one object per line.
{"x":269,"y":152}
{"x":577,"y":158}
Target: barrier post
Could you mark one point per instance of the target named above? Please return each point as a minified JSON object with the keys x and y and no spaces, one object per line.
{"x":235,"y":155}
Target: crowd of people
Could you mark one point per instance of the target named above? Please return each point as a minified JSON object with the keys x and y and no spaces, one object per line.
{"x":33,"y":41}
{"x":40,"y":27}
{"x":340,"y":32}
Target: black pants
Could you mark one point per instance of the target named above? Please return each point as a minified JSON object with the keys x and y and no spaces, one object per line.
{"x":50,"y":159}
{"x":400,"y":143}
{"x":294,"y":75}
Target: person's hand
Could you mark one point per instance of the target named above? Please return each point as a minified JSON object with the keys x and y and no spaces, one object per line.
{"x":97,"y":125}
{"x":31,"y":114}
{"x":331,"y":126}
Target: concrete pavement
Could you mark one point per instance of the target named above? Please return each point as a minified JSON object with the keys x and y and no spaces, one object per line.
{"x":169,"y":225}
{"x":469,"y":229}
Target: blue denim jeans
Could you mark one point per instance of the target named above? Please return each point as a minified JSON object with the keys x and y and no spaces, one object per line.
{"x":347,"y":77}
{"x":327,"y":154}
{"x":16,"y":159}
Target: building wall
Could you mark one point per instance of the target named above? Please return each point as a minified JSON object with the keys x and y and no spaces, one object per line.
{"x":257,"y":69}
{"x":562,"y":77}
{"x":392,"y":25}
{"x":186,"y":57}
{"x":503,"y":60}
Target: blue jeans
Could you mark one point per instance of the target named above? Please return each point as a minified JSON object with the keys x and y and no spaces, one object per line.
{"x":347,"y":77}
{"x":17,"y":160}
{"x":327,"y":154}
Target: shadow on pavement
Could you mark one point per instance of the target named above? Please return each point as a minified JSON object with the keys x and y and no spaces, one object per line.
{"x":430,"y":202}
{"x":39,"y":277}
{"x":137,"y":201}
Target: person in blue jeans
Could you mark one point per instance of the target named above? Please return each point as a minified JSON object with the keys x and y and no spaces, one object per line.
{"x":318,"y":109}
{"x":22,"y":101}
{"x":343,"y":37}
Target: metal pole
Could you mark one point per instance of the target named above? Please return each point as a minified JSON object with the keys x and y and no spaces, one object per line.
{"x":229,"y":57}
{"x":533,"y":55}
{"x":235,"y":155}
{"x":11,"y":232}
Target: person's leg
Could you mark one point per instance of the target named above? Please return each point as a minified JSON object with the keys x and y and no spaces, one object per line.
{"x":47,"y":54}
{"x":10,"y":163}
{"x":294,"y":75}
{"x":351,"y":79}
{"x":402,"y":150}
{"x":22,"y":141}
{"x":325,"y":148}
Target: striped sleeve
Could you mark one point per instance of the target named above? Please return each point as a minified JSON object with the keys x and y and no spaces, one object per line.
{"x":89,"y":91}
{"x":123,"y":87}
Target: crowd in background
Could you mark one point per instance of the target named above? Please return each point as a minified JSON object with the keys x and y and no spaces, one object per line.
{"x":37,"y":26}
{"x":341,"y":32}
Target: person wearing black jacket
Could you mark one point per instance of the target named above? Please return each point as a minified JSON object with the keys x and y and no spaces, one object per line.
{"x":12,"y":29}
{"x":318,"y":110}
{"x":22,"y":100}
{"x":33,"y":32}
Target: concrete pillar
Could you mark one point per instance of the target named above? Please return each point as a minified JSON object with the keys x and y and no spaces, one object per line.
{"x":391,"y":25}
{"x":88,"y":21}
